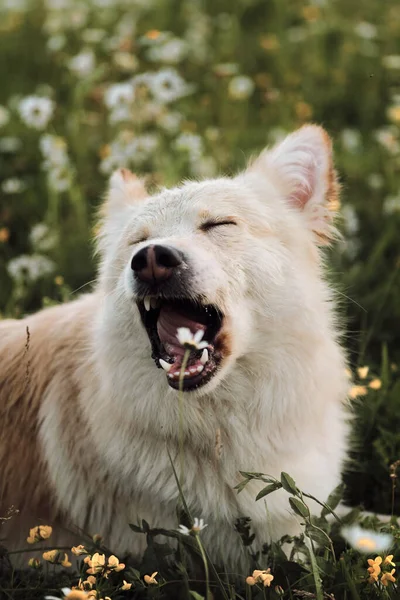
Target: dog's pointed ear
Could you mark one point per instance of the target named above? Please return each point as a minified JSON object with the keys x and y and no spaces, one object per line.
{"x":125,"y":191}
{"x":302,"y":166}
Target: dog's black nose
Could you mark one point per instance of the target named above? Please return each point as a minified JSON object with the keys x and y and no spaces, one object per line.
{"x":156,"y":263}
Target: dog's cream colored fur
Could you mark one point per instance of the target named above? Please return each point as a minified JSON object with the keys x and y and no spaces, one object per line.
{"x":87,"y":420}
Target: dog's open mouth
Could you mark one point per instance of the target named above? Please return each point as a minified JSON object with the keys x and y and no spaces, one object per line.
{"x":162,"y":318}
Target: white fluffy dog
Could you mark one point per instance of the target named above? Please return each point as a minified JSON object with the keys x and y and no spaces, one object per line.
{"x":89,"y":400}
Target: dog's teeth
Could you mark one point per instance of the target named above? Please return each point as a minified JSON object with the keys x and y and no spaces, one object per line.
{"x":166,"y":366}
{"x":200,"y":368}
{"x":147,"y":303}
{"x":193,"y":370}
{"x":186,"y":373}
{"x":204,"y":357}
{"x":171,"y":375}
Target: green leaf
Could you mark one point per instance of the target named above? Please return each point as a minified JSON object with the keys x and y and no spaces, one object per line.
{"x":299,"y":507}
{"x":318,"y":536}
{"x":195,"y":595}
{"x":136,"y":528}
{"x":288,"y":483}
{"x":268,"y":489}
{"x":333,"y":500}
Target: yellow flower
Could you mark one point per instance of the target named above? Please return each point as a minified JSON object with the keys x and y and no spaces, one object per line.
{"x":153,"y":34}
{"x":114,"y":564}
{"x":393,"y":113}
{"x":51,"y":556}
{"x":362,"y":372}
{"x":263,"y":577}
{"x":76,"y":595}
{"x":386,"y":577}
{"x":388,"y":560}
{"x":356,"y":391}
{"x":41,"y":532}
{"x":151,"y":579}
{"x":375,"y":384}
{"x":374,"y":566}
{"x":126,"y":585}
{"x":310,"y":13}
{"x":373,"y":578}
{"x":77,"y":550}
{"x":269,"y":42}
{"x":64,"y":562}
{"x":96,"y":563}
{"x":34,"y":563}
{"x":4,"y":235}
{"x":59,"y":280}
{"x":303,"y":110}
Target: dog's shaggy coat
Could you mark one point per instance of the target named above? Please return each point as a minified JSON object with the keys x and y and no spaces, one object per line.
{"x":86,"y":418}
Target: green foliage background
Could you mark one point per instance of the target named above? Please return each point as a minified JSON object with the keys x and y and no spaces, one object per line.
{"x":333,"y":62}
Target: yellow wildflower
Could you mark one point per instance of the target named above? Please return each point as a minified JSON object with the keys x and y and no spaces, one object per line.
{"x":34,"y":563}
{"x":51,"y":556}
{"x":303,"y":110}
{"x":374,"y":566}
{"x":356,"y":391}
{"x":386,"y":577}
{"x":151,"y":579}
{"x":4,"y":235}
{"x":39,"y":533}
{"x":77,"y":550}
{"x":310,"y":13}
{"x":96,"y":563}
{"x":269,"y":42}
{"x":76,"y":595}
{"x":362,"y":372}
{"x":153,"y":34}
{"x":57,"y":558}
{"x":393,"y":113}
{"x":263,"y":577}
{"x":126,"y":585}
{"x":59,"y":280}
{"x":114,"y":564}
{"x":375,"y":384}
{"x":388,"y":560}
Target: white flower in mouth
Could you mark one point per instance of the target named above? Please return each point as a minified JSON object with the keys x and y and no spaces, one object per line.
{"x":190,"y":341}
{"x":198,"y":525}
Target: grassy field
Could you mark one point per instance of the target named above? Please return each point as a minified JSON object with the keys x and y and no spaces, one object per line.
{"x":191,"y":88}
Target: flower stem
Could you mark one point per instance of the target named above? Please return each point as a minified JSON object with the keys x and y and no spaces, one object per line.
{"x":180,"y":424}
{"x":205,"y":562}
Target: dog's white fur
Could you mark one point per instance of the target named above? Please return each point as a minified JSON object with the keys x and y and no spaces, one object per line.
{"x":86,"y":419}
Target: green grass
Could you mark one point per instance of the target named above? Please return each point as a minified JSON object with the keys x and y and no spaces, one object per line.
{"x":334,"y":63}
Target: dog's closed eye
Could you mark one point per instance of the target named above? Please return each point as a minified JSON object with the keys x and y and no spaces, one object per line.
{"x":216,"y":223}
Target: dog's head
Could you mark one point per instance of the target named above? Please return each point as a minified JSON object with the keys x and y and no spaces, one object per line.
{"x":229,"y":260}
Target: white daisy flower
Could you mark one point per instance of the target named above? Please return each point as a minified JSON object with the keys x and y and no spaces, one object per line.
{"x":190,"y":341}
{"x":13,"y":186}
{"x":198,"y":526}
{"x":167,"y":86}
{"x":36,"y":111}
{"x":41,"y":238}
{"x":83,"y":63}
{"x":241,"y":87}
{"x":119,"y":94}
{"x":191,"y":143}
{"x":32,"y":267}
{"x":366,"y":540}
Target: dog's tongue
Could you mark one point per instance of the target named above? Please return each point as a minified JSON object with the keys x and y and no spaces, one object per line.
{"x":167,"y":325}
